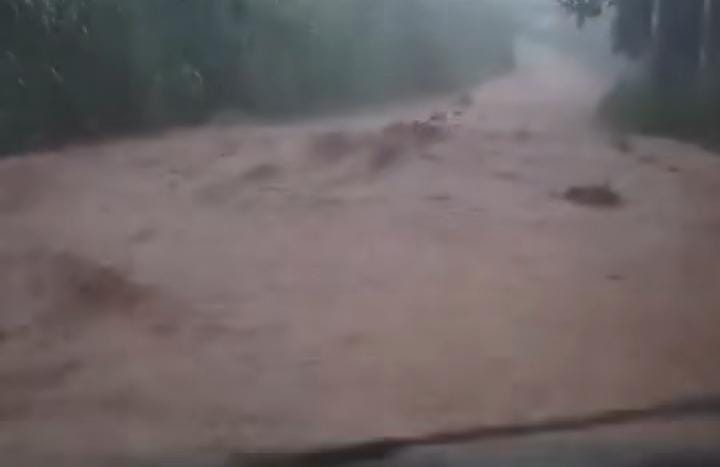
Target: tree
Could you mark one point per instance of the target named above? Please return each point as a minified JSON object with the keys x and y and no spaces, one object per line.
{"x":585,"y":9}
{"x":676,"y":41}
{"x":633,"y":29}
{"x":679,"y":41}
{"x":712,"y":45}
{"x":72,"y":68}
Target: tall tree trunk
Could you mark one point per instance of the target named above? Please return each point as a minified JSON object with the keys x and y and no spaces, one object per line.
{"x":679,"y":50}
{"x":633,"y":28}
{"x":712,"y":46}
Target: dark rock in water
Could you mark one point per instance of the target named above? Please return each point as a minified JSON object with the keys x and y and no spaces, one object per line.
{"x":597,"y":196}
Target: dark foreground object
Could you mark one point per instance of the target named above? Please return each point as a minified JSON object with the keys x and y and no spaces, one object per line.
{"x":386,"y":450}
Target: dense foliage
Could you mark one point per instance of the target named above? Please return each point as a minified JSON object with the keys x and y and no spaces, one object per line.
{"x":92,"y":67}
{"x":675,"y":89}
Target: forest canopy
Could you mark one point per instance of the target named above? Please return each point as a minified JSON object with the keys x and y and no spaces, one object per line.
{"x":71,"y":68}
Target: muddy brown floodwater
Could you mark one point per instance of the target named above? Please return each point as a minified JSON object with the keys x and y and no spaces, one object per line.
{"x":248,"y":286}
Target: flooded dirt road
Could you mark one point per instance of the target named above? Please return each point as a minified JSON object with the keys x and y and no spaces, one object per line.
{"x":254,"y":286}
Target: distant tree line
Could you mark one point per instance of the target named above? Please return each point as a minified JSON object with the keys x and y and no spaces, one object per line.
{"x":73,"y":68}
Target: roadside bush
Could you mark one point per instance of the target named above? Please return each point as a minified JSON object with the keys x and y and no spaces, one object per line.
{"x":74,"y":68}
{"x":641,"y":105}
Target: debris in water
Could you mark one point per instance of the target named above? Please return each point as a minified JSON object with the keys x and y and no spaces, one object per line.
{"x":262,"y":173}
{"x":418,"y":132}
{"x":597,"y":196}
{"x":438,"y":117}
{"x":385,"y":155}
{"x":333,"y":146}
{"x":440,"y":198}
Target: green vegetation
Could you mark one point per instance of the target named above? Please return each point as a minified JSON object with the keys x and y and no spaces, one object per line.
{"x":74,"y":68}
{"x":641,"y":106}
{"x":676,"y":45}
